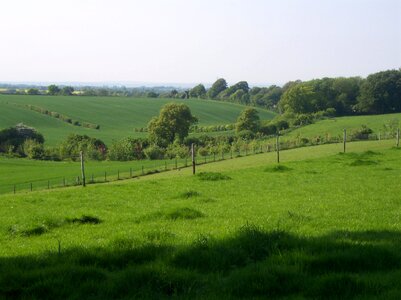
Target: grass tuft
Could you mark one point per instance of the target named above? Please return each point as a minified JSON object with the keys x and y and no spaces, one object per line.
{"x":184,"y":214}
{"x":85,"y":219}
{"x":189,"y":194}
{"x":212,"y":176}
{"x":363,"y":162}
{"x":278,"y":168}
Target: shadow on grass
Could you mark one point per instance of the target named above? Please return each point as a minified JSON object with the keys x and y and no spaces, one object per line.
{"x":250,"y":263}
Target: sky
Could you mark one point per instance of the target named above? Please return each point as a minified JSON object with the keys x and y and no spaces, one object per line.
{"x":196,"y":41}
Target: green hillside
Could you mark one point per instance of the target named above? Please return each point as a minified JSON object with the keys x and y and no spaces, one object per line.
{"x":117,"y":116}
{"x":321,"y":225}
{"x":335,"y":126}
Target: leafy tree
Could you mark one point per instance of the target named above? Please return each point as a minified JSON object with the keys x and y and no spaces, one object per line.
{"x":33,"y":91}
{"x":299,"y":98}
{"x":217,"y":87}
{"x":172,"y":123}
{"x":248,"y":120}
{"x":67,"y":91}
{"x":198,"y":91}
{"x":53,"y":89}
{"x":381,"y":93}
{"x":93,"y":148}
{"x":33,"y":149}
{"x":14,"y":137}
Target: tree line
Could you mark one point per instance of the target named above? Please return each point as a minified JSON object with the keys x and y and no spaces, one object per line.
{"x":379,"y":93}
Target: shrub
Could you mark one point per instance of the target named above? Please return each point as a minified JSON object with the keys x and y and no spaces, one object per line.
{"x":361,"y":133}
{"x":154,"y":152}
{"x":33,"y":150}
{"x":269,"y":129}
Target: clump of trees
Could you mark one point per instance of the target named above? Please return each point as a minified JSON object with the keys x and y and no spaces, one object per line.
{"x":172,"y":124}
{"x":12,"y":139}
{"x":64,"y":91}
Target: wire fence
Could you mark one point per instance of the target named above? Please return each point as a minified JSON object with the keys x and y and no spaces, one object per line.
{"x":134,"y":170}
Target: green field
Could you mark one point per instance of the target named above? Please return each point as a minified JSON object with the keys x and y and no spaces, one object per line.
{"x":21,"y":172}
{"x":320,"y":225}
{"x":117,"y":116}
{"x":335,"y":126}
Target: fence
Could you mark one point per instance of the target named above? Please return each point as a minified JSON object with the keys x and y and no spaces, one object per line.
{"x":134,"y":171}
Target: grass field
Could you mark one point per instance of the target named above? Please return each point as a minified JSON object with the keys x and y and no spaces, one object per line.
{"x":117,"y":116}
{"x":335,"y":126}
{"x":320,"y":225}
{"x":20,"y":172}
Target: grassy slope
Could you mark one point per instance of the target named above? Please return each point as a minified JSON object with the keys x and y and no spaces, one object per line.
{"x":117,"y":116}
{"x":335,"y":126}
{"x":329,"y":225}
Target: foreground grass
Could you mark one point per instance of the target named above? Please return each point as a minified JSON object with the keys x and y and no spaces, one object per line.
{"x":320,"y":225}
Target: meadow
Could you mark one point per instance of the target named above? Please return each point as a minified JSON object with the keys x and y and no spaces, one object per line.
{"x":322,"y":224}
{"x":117,"y":116}
{"x":335,"y":126}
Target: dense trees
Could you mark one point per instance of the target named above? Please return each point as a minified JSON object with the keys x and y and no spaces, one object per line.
{"x":248,"y":120}
{"x":172,"y":123}
{"x":53,"y":89}
{"x":13,"y":138}
{"x":198,"y":91}
{"x":219,"y":86}
{"x":381,"y":93}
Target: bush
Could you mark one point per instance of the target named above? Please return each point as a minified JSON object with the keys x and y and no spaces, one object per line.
{"x":361,"y":133}
{"x":269,"y":129}
{"x":246,"y":134}
{"x":303,"y":119}
{"x":154,"y":152}
{"x":33,"y":150}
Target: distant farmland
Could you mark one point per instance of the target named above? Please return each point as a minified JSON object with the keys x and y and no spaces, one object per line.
{"x":116,"y":116}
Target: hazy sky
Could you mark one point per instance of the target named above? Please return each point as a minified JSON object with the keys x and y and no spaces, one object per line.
{"x":191,"y":41}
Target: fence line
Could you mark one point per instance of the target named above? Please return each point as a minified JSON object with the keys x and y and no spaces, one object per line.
{"x":179,"y":163}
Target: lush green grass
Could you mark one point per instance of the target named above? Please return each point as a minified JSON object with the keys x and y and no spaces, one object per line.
{"x":334,"y":127}
{"x":324,"y":225}
{"x":117,"y":116}
{"x":21,"y":173}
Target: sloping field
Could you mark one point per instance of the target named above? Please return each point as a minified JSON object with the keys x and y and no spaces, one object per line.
{"x":335,"y":126}
{"x":117,"y":116}
{"x":320,"y":225}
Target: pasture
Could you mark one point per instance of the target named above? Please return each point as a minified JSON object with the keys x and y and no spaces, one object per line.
{"x":335,"y":126}
{"x":320,"y":225}
{"x":117,"y":116}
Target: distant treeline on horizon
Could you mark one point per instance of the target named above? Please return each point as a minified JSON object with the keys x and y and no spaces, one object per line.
{"x":377,"y":94}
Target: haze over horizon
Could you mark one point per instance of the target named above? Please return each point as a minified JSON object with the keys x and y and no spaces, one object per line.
{"x":197,"y":41}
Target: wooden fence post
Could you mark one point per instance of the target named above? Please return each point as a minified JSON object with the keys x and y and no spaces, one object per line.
{"x":278,"y":147}
{"x":105,"y":176}
{"x":176,"y":164}
{"x":130,"y":172}
{"x":193,"y":158}
{"x":82,"y":168}
{"x":345,"y":139}
{"x":31,"y":186}
{"x":118,"y":174}
{"x":15,"y":189}
{"x":63,"y":181}
{"x":93,"y":179}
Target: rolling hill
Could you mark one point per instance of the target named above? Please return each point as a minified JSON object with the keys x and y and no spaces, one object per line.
{"x":117,"y":116}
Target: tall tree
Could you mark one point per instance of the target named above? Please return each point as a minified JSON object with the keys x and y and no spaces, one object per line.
{"x":198,"y":91}
{"x":248,"y":120}
{"x":381,"y":93}
{"x":217,"y":87}
{"x":53,"y":89}
{"x":172,"y":123}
